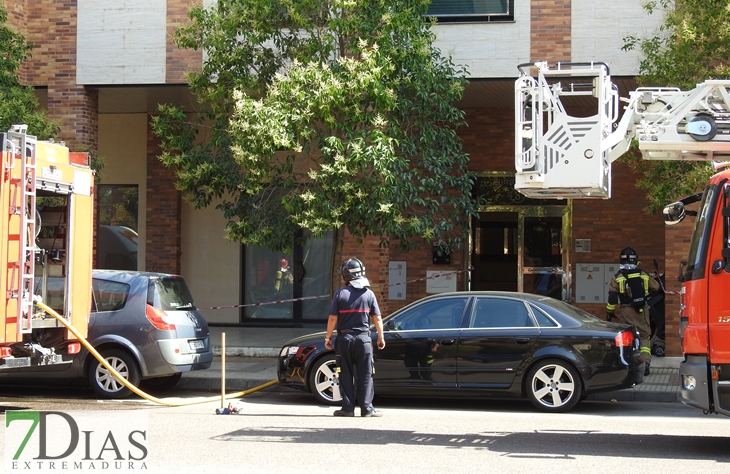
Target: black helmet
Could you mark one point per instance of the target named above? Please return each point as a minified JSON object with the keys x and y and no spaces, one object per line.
{"x":352,"y":269}
{"x":628,"y":256}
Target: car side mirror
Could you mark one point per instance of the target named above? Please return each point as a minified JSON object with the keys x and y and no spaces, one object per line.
{"x":674,"y":213}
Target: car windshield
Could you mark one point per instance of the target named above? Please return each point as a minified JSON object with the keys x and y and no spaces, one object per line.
{"x":556,"y":308}
{"x":701,"y":236}
{"x":170,"y":294}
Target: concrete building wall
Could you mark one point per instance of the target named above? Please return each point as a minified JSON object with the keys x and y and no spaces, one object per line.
{"x":598,"y":29}
{"x":489,"y":49}
{"x":211,"y":264}
{"x":121,"y":42}
{"x":123,"y":146}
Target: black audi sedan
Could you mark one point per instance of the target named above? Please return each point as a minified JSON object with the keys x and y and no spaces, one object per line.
{"x":482,"y":345}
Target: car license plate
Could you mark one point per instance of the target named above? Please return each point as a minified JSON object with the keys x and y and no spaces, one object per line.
{"x":197,"y":344}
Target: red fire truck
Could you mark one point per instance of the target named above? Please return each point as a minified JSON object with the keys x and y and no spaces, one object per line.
{"x":46,"y":200}
{"x":559,"y":155}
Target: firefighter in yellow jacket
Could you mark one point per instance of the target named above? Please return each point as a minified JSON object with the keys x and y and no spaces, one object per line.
{"x":629,"y":289}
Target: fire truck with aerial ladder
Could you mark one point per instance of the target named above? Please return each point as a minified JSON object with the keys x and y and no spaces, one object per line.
{"x":558,"y":155}
{"x":46,"y":232}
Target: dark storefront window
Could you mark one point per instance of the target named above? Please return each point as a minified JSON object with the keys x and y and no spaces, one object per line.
{"x":301,"y":275}
{"x":116,"y":231}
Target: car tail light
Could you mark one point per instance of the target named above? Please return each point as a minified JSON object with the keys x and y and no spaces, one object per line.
{"x":5,"y":352}
{"x":158,"y":319}
{"x":624,"y":339}
{"x":74,"y":348}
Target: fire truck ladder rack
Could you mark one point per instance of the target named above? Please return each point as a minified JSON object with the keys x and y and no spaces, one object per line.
{"x":20,"y":284}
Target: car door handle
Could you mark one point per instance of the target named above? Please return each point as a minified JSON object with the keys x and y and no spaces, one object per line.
{"x":446,"y":342}
{"x":522,"y":340}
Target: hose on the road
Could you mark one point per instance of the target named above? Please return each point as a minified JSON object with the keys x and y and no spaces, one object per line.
{"x":126,"y":383}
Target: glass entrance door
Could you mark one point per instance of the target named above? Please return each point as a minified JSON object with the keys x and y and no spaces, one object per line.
{"x":542,"y":267}
{"x":494,"y":253}
{"x":522,"y":248}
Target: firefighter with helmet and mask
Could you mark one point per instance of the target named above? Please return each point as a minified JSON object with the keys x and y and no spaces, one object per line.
{"x":629,"y":290}
{"x":354,"y":307}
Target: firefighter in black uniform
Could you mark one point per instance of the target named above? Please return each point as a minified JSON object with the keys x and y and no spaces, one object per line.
{"x":354,"y":307}
{"x":629,"y":289}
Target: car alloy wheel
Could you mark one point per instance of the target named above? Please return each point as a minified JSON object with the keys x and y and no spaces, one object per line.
{"x":102,"y":380}
{"x":324,"y":381}
{"x":554,"y":385}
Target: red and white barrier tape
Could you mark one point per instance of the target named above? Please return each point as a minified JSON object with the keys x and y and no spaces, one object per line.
{"x":661,"y":284}
{"x":268,"y":302}
{"x":327,"y":296}
{"x":432,"y":276}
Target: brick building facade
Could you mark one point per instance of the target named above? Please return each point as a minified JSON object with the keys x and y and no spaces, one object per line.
{"x":101,"y":69}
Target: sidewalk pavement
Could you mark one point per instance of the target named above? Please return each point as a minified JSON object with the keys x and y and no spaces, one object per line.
{"x":251,"y":358}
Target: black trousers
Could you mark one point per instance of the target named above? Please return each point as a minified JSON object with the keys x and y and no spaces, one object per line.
{"x":355,"y":361}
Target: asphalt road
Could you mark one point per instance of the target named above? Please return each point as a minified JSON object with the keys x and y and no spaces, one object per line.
{"x":287,"y":432}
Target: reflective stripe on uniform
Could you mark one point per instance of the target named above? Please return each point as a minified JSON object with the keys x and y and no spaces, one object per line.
{"x":645,"y":277}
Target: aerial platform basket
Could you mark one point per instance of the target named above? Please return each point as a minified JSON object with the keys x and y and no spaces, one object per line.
{"x":558,"y":155}
{"x":563,"y":155}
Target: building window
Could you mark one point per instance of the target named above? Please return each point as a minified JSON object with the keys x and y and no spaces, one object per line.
{"x":472,"y":10}
{"x":300,"y":278}
{"x":116,"y":231}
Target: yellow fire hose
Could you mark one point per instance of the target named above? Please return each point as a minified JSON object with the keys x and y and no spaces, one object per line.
{"x":195,"y":401}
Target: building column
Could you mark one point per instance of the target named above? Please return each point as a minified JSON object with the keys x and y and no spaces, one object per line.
{"x":163,"y":213}
{"x":76,"y":109}
{"x":677,"y":238}
{"x":550,"y":31}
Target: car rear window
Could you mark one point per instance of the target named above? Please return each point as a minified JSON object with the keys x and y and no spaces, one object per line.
{"x":169,"y":294}
{"x":543,"y":320}
{"x":556,"y":309}
{"x":108,"y":295}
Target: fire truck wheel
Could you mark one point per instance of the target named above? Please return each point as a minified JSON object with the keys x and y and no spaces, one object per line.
{"x":554,"y":385}
{"x":102,"y":380}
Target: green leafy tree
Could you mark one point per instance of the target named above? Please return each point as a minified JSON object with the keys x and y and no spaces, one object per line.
{"x":318,"y":115}
{"x":18,"y":103}
{"x":691,"y":46}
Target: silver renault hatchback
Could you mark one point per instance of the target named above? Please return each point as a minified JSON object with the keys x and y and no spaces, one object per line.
{"x":147,"y":327}
{"x":144,"y":324}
